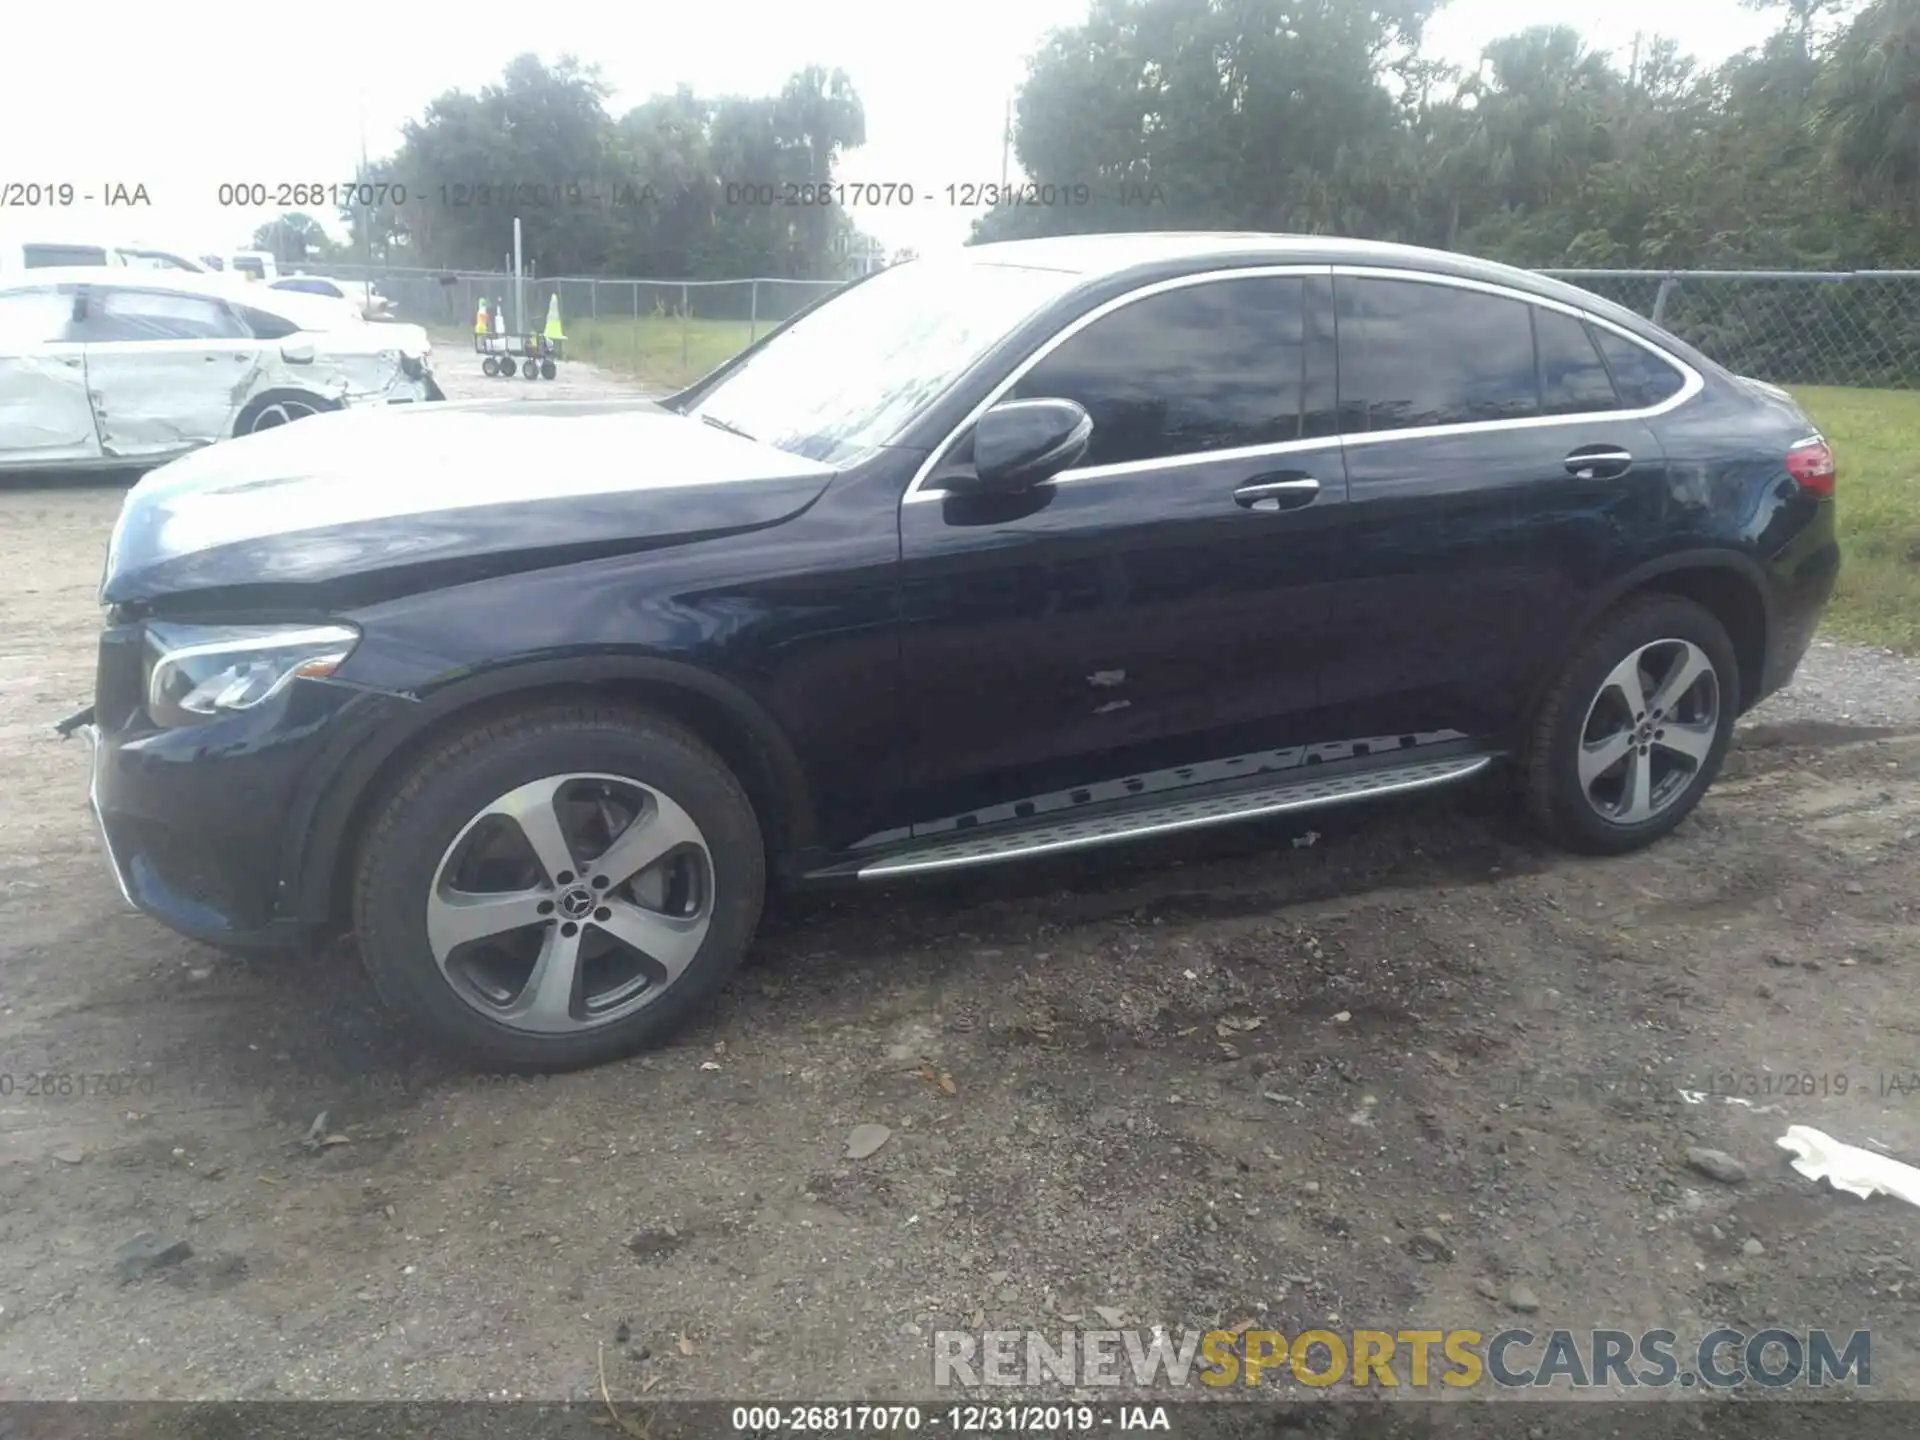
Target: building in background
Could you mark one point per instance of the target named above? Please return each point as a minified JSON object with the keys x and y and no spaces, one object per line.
{"x":863,"y":254}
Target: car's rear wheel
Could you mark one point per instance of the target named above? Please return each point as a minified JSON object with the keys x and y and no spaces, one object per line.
{"x":1635,"y":728}
{"x":282,"y":407}
{"x":560,"y":886}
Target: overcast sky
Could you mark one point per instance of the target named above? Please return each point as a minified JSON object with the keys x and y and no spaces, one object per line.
{"x":182,"y":100}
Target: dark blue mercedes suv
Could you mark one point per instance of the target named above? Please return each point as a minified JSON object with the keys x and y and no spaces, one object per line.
{"x":1033,"y":547}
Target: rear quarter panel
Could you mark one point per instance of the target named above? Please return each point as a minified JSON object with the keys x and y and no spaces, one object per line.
{"x":1730,"y":490}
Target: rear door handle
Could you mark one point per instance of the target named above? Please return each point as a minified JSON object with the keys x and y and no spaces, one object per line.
{"x":1599,"y":462}
{"x":1278,"y":493}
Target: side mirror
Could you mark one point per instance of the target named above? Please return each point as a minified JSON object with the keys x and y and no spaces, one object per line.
{"x":297,"y":352}
{"x":1019,"y":443}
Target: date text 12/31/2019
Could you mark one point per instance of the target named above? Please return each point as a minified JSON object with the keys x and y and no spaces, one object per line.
{"x":622,"y":195}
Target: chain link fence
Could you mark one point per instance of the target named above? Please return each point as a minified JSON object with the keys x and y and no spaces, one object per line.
{"x":1789,"y":327}
{"x":665,"y":332}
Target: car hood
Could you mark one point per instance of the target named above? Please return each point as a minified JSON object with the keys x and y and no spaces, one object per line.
{"x":359,"y":503}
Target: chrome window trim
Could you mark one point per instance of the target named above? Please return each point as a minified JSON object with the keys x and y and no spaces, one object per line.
{"x":916,"y":493}
{"x":1692,"y":382}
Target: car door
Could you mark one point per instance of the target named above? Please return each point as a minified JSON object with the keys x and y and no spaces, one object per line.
{"x":1164,"y":601}
{"x":1494,"y":477}
{"x":45,"y":415}
{"x":168,"y":371}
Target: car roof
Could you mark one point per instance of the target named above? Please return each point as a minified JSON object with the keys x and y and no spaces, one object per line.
{"x":190,"y":281}
{"x":1145,"y":256}
{"x":1115,"y":255}
{"x":211,"y":284}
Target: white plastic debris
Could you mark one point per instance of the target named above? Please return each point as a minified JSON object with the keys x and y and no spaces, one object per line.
{"x":1819,"y":1156}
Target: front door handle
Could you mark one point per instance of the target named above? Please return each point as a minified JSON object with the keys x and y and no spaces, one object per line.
{"x":1599,"y":462}
{"x":1276,"y":492}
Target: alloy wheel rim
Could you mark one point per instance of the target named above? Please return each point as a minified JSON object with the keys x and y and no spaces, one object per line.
{"x":570,"y":902}
{"x":282,"y":412}
{"x":1649,"y":731}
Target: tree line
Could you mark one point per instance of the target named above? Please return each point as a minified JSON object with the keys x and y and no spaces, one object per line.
{"x":1318,"y":116}
{"x":676,"y":187}
{"x":1324,"y":116}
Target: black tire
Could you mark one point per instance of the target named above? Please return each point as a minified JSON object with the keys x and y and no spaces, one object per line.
{"x":279,"y":407}
{"x":506,"y":368}
{"x":548,"y":370}
{"x":490,"y":367}
{"x":398,"y":861}
{"x":1555,"y":798}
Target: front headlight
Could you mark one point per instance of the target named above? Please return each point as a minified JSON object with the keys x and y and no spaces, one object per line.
{"x":198,"y":672}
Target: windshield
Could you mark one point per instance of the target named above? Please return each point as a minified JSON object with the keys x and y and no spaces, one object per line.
{"x":851,"y":374}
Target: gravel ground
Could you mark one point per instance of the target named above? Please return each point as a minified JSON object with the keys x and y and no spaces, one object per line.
{"x":1848,"y":684}
{"x":1230,"y":1078}
{"x":460,"y":377}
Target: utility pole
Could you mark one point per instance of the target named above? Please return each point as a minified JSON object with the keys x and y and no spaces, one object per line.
{"x":366,"y":210}
{"x":519,"y":288}
{"x":1633,"y":87}
{"x":1006,"y":143}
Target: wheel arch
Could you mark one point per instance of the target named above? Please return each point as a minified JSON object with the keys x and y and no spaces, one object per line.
{"x":738,"y":728}
{"x":1727,"y":584}
{"x":279,"y":393}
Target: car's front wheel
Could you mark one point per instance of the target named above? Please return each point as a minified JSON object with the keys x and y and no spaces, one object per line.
{"x":1635,"y":728}
{"x":561,"y":886}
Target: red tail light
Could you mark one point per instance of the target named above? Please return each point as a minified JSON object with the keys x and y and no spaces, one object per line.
{"x":1812,"y":467}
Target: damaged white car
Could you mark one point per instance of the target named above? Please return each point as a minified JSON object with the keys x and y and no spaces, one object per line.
{"x":122,"y":367}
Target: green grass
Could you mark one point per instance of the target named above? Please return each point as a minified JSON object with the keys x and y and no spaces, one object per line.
{"x":1876,"y":436}
{"x":656,"y":349}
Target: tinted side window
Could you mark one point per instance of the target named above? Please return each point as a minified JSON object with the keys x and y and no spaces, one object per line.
{"x":310,"y":286}
{"x":40,"y":257}
{"x":1573,"y":378}
{"x":1206,"y":367}
{"x":1642,"y":378}
{"x":1415,"y":354}
{"x":116,"y":315}
{"x":31,"y":318}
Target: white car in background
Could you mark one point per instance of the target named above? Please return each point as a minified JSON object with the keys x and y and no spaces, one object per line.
{"x":124,"y":367}
{"x":45,"y":254}
{"x":360,"y":294}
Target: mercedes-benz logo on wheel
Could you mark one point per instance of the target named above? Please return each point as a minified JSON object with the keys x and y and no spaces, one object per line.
{"x":577,"y":903}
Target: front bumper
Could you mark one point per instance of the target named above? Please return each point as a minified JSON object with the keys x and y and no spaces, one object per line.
{"x":205,"y":827}
{"x":412,"y":382}
{"x":90,"y":733}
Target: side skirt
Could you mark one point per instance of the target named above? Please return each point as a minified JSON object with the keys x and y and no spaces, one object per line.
{"x":1046,"y":829}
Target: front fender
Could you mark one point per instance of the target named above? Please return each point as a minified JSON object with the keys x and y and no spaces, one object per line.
{"x":340,"y":804}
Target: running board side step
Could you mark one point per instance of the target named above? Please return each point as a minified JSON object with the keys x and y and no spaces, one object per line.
{"x":1173,"y":816}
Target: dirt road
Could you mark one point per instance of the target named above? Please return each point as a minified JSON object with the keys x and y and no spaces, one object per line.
{"x":1231,"y":1078}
